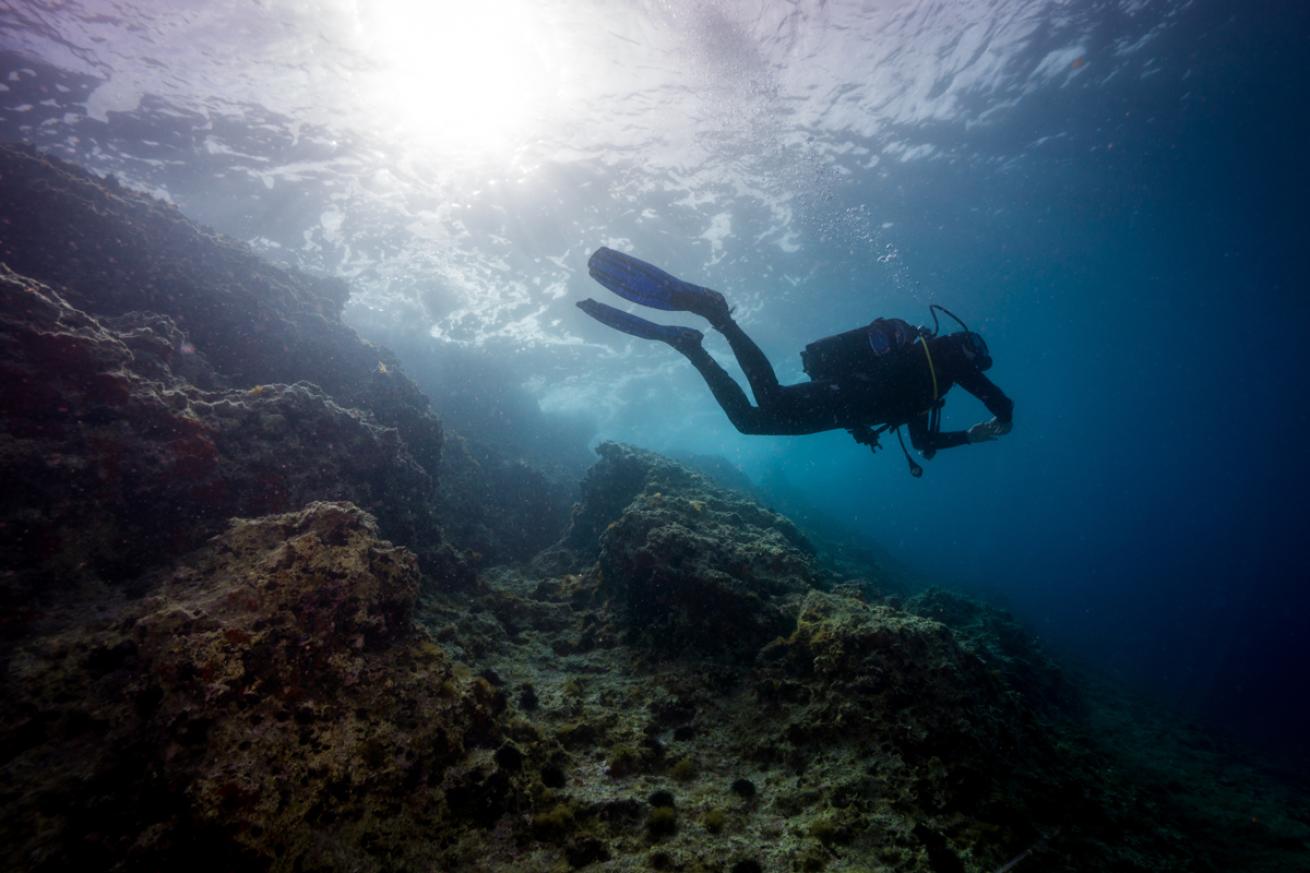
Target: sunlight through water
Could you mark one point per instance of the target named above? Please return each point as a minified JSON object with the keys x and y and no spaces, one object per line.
{"x":463,"y":78}
{"x":457,"y":161}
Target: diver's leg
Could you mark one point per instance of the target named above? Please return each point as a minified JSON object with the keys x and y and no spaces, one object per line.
{"x":744,"y":417}
{"x":794,"y":409}
{"x":808,"y":407}
{"x":758,"y":370}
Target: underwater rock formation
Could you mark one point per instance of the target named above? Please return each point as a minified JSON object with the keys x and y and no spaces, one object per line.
{"x":497,"y":508}
{"x":857,"y":681}
{"x":695,"y":568}
{"x":110,"y":251}
{"x":1002,"y":644}
{"x":929,"y":736}
{"x":271,"y":703}
{"x":698,"y":655}
{"x":219,"y":316}
{"x":690,"y":566}
{"x":114,"y":463}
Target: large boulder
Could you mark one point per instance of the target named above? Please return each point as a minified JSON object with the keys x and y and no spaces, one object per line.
{"x":270,"y":705}
{"x":1008,"y":649}
{"x":896,"y":714}
{"x":691,"y":568}
{"x":876,"y":674}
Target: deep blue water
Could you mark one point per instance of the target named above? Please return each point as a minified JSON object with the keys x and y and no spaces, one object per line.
{"x":1123,"y":218}
{"x":1147,"y":309}
{"x":1148,"y":514}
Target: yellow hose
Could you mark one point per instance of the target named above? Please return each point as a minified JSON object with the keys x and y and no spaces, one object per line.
{"x":931,"y":369}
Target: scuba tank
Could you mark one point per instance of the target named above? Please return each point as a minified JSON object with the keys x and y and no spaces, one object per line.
{"x":864,"y":350}
{"x":859,"y":351}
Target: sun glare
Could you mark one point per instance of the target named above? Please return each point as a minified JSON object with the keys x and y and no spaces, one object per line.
{"x":469,"y":77}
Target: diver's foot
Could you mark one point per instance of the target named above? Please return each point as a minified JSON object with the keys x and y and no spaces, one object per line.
{"x":684,"y":339}
{"x":712,"y":306}
{"x":634,"y":279}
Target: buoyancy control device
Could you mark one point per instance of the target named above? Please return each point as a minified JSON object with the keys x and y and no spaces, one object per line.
{"x":865,"y":350}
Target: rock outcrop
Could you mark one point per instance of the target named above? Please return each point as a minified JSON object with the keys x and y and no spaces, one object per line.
{"x":690,"y":567}
{"x":926,"y":733}
{"x":498,"y":508}
{"x":269,"y":705}
{"x":110,"y":252}
{"x":114,"y":463}
{"x":698,"y":655}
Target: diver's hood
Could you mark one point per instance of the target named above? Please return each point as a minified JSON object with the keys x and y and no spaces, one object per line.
{"x":975,"y":349}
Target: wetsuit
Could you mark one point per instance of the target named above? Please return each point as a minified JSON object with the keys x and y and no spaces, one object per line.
{"x":900,"y":393}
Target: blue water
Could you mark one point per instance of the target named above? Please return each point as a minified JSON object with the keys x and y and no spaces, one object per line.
{"x":1146,"y":306}
{"x":1113,"y":193}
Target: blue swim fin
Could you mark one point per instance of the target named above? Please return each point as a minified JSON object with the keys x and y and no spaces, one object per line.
{"x":635,"y":280}
{"x":678,"y":337}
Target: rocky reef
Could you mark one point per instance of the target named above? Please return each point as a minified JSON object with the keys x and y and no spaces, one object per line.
{"x":270,"y":703}
{"x":115,"y":462}
{"x":717,"y":700}
{"x":260,"y":612}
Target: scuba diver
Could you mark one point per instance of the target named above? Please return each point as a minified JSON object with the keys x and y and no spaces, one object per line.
{"x":867,"y":381}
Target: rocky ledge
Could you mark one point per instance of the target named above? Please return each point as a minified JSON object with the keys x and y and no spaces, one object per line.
{"x":271,"y":703}
{"x":116,"y":458}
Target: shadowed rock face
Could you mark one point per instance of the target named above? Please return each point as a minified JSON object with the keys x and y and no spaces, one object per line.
{"x":110,"y":252}
{"x":114,"y":463}
{"x":213,"y":314}
{"x":496,"y":506}
{"x":270,"y":703}
{"x":693,"y":568}
{"x":895,"y":686}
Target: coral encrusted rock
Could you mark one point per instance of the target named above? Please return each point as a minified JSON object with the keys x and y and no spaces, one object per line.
{"x":691,"y":567}
{"x":900,"y":691}
{"x":114,"y":464}
{"x":110,"y":251}
{"x":270,"y":705}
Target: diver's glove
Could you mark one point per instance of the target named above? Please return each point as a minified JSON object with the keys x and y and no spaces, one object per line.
{"x":865,"y":435}
{"x":988,"y":430}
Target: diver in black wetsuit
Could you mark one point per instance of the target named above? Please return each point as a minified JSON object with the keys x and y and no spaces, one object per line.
{"x":902,"y":393}
{"x":865,"y":393}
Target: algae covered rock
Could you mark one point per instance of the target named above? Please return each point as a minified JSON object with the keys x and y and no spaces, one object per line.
{"x":113,"y":463}
{"x":496,"y":506}
{"x":110,"y":252}
{"x":931,"y":715}
{"x":271,"y":704}
{"x":691,"y":567}
{"x":874,"y":672}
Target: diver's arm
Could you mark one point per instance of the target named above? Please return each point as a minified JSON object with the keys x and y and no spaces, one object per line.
{"x":973,"y":381}
{"x":928,"y":443}
{"x":1000,"y":406}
